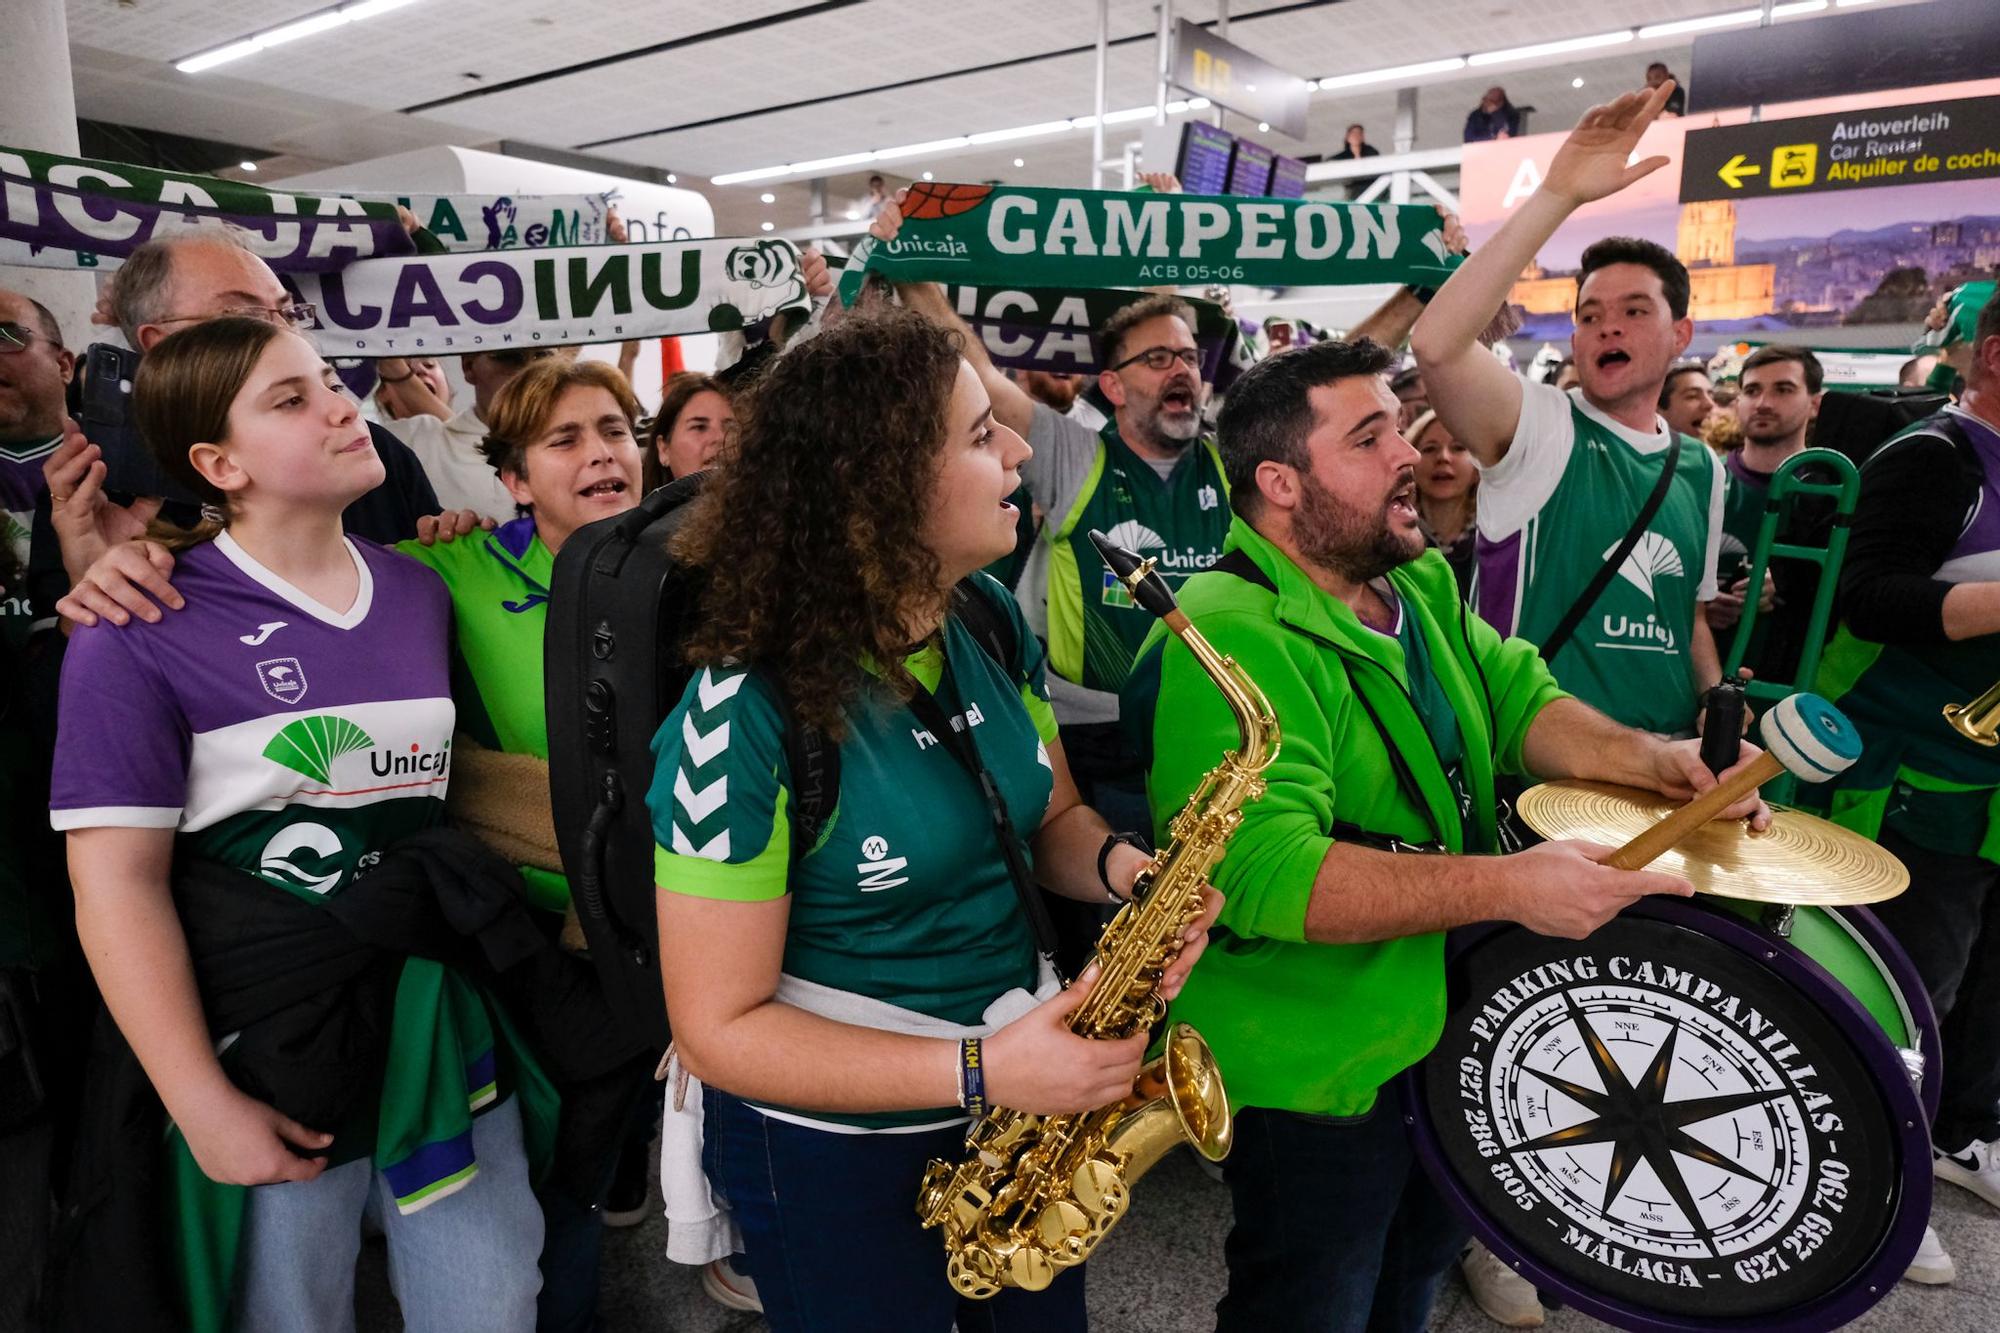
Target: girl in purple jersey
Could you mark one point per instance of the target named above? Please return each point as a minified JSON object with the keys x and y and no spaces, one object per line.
{"x":287,"y":726}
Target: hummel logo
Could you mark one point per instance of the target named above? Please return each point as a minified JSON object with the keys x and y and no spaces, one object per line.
{"x":264,"y":631}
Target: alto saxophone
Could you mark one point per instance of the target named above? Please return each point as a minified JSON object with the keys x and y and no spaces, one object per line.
{"x":1035,"y":1194}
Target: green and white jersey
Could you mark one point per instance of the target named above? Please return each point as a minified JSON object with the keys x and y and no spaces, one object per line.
{"x":906,"y":897}
{"x":1175,"y":511}
{"x":1555,"y":508}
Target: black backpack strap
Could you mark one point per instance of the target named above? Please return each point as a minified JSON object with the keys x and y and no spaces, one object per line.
{"x":991,"y":628}
{"x":814,"y":762}
{"x":1559,"y":638}
{"x":1243,"y":567}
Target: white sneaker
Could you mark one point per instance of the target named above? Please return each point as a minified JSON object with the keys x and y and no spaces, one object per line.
{"x":1932,"y":1266}
{"x":1508,"y":1298}
{"x":1975,"y":1167}
{"x":725,"y":1286}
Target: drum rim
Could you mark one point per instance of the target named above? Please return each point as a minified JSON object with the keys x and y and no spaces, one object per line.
{"x":1873,"y":935}
{"x":1908,"y":1124}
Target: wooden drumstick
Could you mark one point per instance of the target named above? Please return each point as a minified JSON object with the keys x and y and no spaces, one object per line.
{"x":1804,"y":735}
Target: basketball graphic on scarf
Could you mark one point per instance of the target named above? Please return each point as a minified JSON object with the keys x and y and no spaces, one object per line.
{"x":930,"y":200}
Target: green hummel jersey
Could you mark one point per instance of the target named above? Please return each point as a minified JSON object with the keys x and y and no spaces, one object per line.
{"x":499,"y":584}
{"x":906,"y":898}
{"x":1555,"y":508}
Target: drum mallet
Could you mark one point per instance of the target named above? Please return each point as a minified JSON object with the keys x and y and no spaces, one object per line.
{"x":1803,"y":734}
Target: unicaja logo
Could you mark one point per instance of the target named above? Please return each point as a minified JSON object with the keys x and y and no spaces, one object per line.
{"x":1654,"y":557}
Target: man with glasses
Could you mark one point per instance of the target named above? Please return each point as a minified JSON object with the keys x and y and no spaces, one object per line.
{"x":35,"y":370}
{"x":1151,"y":480}
{"x":39,"y":957}
{"x":163,"y":287}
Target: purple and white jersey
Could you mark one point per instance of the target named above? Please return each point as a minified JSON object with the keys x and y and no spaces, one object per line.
{"x":276,"y":734}
{"x":1976,"y":556}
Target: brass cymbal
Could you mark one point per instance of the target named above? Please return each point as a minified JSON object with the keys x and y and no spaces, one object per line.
{"x":1801,"y":859}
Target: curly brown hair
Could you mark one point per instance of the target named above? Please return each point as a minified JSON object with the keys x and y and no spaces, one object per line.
{"x":811,"y":537}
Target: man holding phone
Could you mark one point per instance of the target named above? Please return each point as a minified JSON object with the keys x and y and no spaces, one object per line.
{"x":104,"y":487}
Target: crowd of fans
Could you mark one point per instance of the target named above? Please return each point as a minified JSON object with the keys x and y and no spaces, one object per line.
{"x":324,"y":1000}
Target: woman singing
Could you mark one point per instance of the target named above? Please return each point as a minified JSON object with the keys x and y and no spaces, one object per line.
{"x":820,"y":990}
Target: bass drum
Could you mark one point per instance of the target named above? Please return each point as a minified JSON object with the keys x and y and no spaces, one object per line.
{"x":1687,"y":1121}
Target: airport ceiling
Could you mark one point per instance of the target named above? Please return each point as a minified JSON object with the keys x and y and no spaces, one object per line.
{"x":702,"y":89}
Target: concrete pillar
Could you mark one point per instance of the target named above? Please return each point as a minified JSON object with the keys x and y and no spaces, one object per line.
{"x":38,"y":109}
{"x":1405,"y":140}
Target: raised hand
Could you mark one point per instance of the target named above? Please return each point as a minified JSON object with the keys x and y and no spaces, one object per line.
{"x":890,"y":220}
{"x":1592,"y":162}
{"x":86,"y":521}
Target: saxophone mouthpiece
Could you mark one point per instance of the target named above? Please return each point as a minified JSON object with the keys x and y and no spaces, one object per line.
{"x":1147,"y":588}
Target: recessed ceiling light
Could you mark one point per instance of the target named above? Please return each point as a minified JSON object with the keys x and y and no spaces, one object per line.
{"x":768,"y":197}
{"x":853,"y":215}
{"x":247,"y":166}
{"x":672,"y":179}
{"x":768,"y":226}
{"x":1020,"y":162}
{"x":1576,"y":82}
{"x":928,"y":176}
{"x":1263,"y":127}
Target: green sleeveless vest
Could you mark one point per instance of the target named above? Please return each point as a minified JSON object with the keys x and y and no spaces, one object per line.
{"x":1094,"y":629}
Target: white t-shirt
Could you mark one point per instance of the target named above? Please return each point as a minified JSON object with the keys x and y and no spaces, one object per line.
{"x":459,"y":473}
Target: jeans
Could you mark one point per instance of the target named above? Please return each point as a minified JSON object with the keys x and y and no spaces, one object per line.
{"x":831,"y":1234}
{"x":1949,"y":923}
{"x":1337,"y":1228}
{"x":465,"y":1261}
{"x":596,"y":1121}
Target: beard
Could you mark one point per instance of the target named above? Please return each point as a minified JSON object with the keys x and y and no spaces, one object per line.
{"x":1167,"y":432}
{"x":1336,"y":536}
{"x":1771,"y":431}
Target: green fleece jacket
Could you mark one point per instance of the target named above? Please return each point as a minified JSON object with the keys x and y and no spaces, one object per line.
{"x":1318,"y":1028}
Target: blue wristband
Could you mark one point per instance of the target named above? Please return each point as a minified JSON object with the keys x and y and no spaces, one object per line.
{"x":971,"y":1078}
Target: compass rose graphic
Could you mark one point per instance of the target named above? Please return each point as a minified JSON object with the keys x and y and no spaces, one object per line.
{"x":1656,"y":1122}
{"x":1642,"y":1125}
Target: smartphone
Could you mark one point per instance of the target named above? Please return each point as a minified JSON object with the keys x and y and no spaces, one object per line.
{"x":104,"y":410}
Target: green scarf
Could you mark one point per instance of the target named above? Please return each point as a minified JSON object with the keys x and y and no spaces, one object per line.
{"x":1001,"y":235}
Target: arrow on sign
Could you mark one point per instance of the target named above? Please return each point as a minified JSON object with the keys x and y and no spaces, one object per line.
{"x":1735,"y":169}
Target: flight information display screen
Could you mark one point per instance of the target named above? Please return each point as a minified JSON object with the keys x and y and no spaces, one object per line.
{"x":1250,"y":169}
{"x":1205,"y":155}
{"x":1288,"y":178}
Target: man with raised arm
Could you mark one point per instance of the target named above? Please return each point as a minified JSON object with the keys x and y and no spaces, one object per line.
{"x":1567,"y":476}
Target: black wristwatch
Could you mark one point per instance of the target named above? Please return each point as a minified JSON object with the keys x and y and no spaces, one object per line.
{"x":1111,"y":840}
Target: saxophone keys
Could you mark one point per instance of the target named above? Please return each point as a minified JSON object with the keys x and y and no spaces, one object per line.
{"x":1030,"y":1268}
{"x":1061,"y":1227}
{"x":973,"y":1273}
{"x":1100,"y":1187}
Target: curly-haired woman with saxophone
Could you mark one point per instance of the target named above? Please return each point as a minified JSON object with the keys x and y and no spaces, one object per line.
{"x":850,"y":992}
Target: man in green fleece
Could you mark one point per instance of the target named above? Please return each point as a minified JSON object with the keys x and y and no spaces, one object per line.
{"x":1398,"y":707}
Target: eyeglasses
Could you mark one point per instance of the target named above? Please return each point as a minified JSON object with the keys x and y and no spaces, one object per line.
{"x":16,"y":337}
{"x":1163,"y":358}
{"x":301,"y":315}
